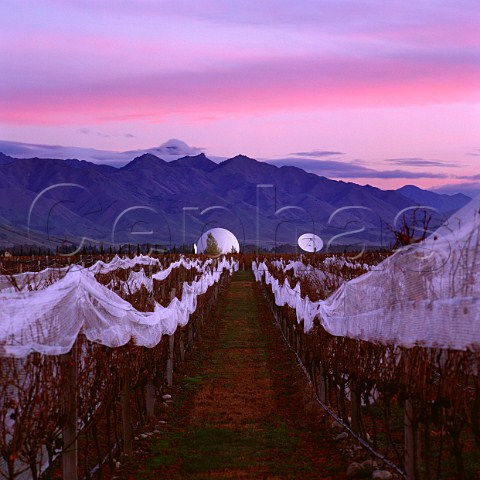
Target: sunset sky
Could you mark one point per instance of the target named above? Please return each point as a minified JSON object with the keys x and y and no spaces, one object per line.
{"x":386,"y":93}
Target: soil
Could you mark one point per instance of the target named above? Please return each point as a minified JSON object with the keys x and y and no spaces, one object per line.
{"x":241,"y":406}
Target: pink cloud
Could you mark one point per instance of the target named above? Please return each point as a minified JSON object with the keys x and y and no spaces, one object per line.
{"x":249,"y":87}
{"x":89,"y":61}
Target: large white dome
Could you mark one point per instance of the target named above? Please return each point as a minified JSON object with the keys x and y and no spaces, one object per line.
{"x":225,"y":240}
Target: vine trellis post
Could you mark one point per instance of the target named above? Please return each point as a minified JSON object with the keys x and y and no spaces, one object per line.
{"x":171,"y":350}
{"x":125,"y":399}
{"x":70,"y":405}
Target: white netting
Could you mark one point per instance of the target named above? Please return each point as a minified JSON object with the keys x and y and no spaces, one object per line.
{"x":31,"y":280}
{"x":425,"y":294}
{"x":137,"y":280}
{"x":49,"y":320}
{"x":299,"y":268}
{"x":123,"y":263}
{"x":40,"y":280}
{"x":44,"y":278}
{"x":134,"y":282}
{"x":202,"y":267}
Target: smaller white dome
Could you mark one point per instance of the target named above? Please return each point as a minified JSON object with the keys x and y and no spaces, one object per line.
{"x":309,"y":242}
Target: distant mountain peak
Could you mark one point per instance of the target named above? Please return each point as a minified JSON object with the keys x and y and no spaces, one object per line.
{"x":193,"y":157}
{"x":409,"y":188}
{"x":241,"y":161}
{"x":147,"y":159}
{"x":148,"y":156}
{"x":200,"y":161}
{"x":240,"y":156}
{"x":442,"y":202}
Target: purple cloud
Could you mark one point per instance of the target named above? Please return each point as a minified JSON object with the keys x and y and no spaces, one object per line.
{"x":350,"y":170}
{"x":86,"y":131}
{"x":420,"y":162}
{"x":318,"y":153}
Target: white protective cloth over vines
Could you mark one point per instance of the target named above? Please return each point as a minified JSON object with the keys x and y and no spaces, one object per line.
{"x":40,"y":280}
{"x":300,"y":269}
{"x":31,"y":280}
{"x":44,"y":278}
{"x":123,"y":263}
{"x":426,"y":294}
{"x":49,"y":320}
{"x":137,"y":280}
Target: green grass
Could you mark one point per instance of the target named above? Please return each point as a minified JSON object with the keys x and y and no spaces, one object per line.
{"x":205,"y":448}
{"x":265,"y":445}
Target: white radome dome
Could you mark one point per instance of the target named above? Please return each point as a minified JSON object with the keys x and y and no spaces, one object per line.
{"x":225,"y":239}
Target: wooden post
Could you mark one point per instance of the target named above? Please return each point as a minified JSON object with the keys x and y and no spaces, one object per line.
{"x":150,"y":399}
{"x":126,"y":414}
{"x":411,"y":465}
{"x":355,"y":407}
{"x":171,"y":350}
{"x":191,"y":326}
{"x":69,"y":434}
{"x":412,"y":437}
{"x":297,"y":342}
{"x":171,"y":347}
{"x":182,"y":347}
{"x":322,"y":390}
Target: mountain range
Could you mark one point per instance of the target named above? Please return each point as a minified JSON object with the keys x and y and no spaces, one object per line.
{"x":150,"y":200}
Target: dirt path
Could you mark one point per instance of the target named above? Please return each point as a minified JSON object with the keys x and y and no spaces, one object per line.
{"x":241,"y":405}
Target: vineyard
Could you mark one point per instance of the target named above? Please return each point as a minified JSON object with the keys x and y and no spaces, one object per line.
{"x":97,"y":345}
{"x":416,"y":408}
{"x":389,"y":342}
